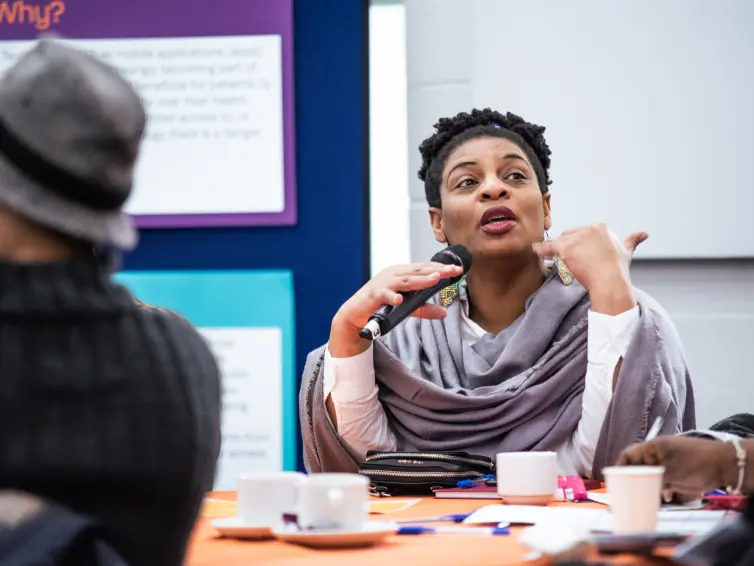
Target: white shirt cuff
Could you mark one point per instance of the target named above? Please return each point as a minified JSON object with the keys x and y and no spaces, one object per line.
{"x":353,"y":377}
{"x":609,"y":337}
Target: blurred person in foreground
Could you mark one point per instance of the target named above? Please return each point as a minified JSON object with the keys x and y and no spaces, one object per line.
{"x":520,"y":355}
{"x":697,"y":463}
{"x":702,"y":461}
{"x":35,"y":532}
{"x":107,"y":408}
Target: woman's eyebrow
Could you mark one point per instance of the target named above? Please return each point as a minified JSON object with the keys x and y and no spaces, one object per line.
{"x":462,"y":164}
{"x":516,"y":156}
{"x":468,"y":163}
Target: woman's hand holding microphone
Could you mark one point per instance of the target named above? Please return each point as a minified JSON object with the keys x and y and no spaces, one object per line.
{"x":385,"y":288}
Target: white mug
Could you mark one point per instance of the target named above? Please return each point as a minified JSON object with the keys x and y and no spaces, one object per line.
{"x":333,"y":502}
{"x":527,"y":478}
{"x":263,"y":498}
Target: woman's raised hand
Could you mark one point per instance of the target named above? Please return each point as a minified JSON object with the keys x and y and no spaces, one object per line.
{"x":599,"y":261}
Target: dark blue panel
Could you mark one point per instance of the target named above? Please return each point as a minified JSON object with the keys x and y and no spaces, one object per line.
{"x":328,"y":250}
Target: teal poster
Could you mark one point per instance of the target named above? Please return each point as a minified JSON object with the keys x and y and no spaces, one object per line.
{"x":247,"y":317}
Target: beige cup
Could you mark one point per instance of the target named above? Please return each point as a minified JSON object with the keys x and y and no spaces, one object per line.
{"x":527,"y":478}
{"x":635,"y":493}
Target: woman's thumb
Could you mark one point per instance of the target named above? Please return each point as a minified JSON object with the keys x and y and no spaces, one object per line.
{"x":633,"y":240}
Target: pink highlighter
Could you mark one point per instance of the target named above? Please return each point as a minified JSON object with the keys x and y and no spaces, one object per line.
{"x":571,"y":488}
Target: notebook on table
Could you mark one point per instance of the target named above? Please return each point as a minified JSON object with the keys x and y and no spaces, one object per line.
{"x":570,"y":488}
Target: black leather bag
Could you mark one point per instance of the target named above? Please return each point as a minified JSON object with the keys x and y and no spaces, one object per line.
{"x":417,"y":473}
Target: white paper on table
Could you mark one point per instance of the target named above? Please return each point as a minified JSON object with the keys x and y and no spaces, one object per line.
{"x":604,"y":499}
{"x":594,"y":520}
{"x":688,"y":523}
{"x":533,"y":515}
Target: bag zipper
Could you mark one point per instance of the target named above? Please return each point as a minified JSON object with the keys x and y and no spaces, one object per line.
{"x":404,"y":474}
{"x":429,"y":456}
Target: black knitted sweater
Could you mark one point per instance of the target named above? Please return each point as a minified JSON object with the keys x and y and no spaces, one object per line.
{"x":107,"y":407}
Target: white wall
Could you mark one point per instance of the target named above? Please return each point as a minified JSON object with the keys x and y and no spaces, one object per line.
{"x":648,"y":106}
{"x":388,"y":125}
{"x":438,"y":54}
{"x":712,"y":304}
{"x":459,"y":55}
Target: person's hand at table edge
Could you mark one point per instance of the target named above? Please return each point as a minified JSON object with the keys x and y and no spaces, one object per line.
{"x":693,"y":466}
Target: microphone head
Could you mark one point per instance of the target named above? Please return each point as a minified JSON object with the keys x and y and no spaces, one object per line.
{"x":456,"y":254}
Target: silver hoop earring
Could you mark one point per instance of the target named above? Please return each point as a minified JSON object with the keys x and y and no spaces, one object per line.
{"x":549,"y":262}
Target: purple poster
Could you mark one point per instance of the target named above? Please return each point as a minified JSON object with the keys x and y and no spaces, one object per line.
{"x":217,"y":79}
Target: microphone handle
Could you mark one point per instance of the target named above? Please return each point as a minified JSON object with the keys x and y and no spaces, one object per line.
{"x":379,"y":323}
{"x":388,"y":316}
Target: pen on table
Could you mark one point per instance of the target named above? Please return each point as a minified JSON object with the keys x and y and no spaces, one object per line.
{"x":667,"y":496}
{"x":654,"y":430}
{"x":452,"y":518}
{"x":487,"y":479}
{"x":501,"y":529}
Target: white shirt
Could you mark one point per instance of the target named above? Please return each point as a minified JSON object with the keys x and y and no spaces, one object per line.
{"x":362,"y":423}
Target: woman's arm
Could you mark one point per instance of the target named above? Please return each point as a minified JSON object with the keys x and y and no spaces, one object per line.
{"x":351,"y":399}
{"x":608,"y":339}
{"x":613,"y":317}
{"x":349,"y":383}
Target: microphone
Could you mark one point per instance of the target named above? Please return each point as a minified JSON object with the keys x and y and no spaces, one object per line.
{"x":389,"y":316}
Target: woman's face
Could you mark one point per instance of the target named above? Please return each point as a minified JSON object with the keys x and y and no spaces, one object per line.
{"x":491,"y":200}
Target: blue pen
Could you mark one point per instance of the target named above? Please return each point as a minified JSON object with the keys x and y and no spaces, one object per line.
{"x":488,"y":479}
{"x":420,"y":530}
{"x":452,"y":518}
{"x":717,"y":492}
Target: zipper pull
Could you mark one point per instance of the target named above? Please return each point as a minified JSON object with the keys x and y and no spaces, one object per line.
{"x":379,"y":490}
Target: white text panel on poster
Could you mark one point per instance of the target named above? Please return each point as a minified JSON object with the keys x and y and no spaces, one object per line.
{"x":214,"y":141}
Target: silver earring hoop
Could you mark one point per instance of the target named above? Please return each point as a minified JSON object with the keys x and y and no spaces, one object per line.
{"x":549,"y":262}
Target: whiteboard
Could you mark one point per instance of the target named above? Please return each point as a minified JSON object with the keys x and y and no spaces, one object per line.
{"x":649,"y":109}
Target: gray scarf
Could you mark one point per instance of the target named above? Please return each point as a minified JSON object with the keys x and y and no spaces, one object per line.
{"x":515,"y":391}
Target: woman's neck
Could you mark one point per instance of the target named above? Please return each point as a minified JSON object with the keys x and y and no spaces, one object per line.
{"x":498,"y":291}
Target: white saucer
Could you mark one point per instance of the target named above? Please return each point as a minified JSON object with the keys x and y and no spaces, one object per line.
{"x":371,"y":533}
{"x":234,"y":527}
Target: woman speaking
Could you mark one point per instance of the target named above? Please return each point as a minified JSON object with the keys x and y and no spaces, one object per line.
{"x":544,"y":345}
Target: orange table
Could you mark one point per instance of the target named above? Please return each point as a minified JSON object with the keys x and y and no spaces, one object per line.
{"x":206,"y":549}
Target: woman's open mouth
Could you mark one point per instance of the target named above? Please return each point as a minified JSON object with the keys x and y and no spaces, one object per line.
{"x":498,"y":220}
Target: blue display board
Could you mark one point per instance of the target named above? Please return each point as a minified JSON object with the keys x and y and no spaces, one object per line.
{"x":248,"y":319}
{"x":328,"y":250}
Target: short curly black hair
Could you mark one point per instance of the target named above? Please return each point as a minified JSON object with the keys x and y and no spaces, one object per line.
{"x":452,"y":132}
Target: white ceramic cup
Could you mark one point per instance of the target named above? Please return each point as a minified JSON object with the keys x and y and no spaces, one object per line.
{"x":635,"y":493}
{"x":333,"y":502}
{"x":263,"y":498}
{"x":527,"y":478}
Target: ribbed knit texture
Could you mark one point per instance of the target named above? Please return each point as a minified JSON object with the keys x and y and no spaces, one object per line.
{"x":107,"y":407}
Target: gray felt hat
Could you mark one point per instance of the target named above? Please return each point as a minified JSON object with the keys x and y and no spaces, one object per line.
{"x":70,"y":131}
